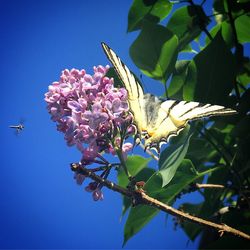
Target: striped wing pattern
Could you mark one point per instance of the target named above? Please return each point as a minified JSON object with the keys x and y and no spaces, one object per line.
{"x":173,"y":116}
{"x":135,"y":92}
{"x":159,"y":120}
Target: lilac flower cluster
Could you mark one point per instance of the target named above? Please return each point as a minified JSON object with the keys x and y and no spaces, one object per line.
{"x":89,"y":110}
{"x":92,"y":114}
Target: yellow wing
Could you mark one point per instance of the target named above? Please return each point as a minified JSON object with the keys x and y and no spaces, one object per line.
{"x":158,"y":120}
{"x":173,"y":115}
{"x":135,"y":92}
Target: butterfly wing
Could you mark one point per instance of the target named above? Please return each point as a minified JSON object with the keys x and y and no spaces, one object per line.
{"x":135,"y":92}
{"x":159,"y":120}
{"x":173,"y":115}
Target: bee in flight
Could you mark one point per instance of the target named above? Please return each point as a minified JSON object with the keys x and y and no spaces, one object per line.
{"x":19,"y":127}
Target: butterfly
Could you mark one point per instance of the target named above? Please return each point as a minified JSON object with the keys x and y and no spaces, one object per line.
{"x":157,"y":120}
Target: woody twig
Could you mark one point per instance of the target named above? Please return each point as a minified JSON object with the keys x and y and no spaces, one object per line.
{"x":140,"y":197}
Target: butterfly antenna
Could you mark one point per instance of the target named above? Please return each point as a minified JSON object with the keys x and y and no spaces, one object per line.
{"x":149,"y":152}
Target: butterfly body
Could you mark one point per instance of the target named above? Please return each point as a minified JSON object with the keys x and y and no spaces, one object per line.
{"x":157,"y":120}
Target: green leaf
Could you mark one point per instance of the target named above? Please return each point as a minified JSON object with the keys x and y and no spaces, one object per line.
{"x":143,"y":175}
{"x":140,"y":215}
{"x":154,"y":184}
{"x":219,"y":11}
{"x":200,"y":151}
{"x":242,"y":28}
{"x":207,"y":208}
{"x":190,"y":82}
{"x":134,"y":165}
{"x":227,"y":241}
{"x":214,"y":80}
{"x":239,"y":8}
{"x":244,"y":104}
{"x":178,"y":77}
{"x":155,"y":51}
{"x":181,"y":138}
{"x":151,"y":10}
{"x":112,"y":74}
{"x":186,"y":22}
{"x":117,"y":81}
{"x":171,"y":160}
{"x":187,"y":48}
{"x":191,"y":229}
{"x":226,"y":31}
{"x":185,"y":174}
{"x":126,"y":203}
{"x":242,"y":127}
{"x":180,"y":20}
{"x":244,"y":76}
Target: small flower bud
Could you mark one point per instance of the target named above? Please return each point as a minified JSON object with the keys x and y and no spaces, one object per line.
{"x":97,"y":195}
{"x":79,"y":178}
{"x":91,"y":187}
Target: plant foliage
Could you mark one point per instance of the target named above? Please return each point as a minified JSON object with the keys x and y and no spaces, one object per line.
{"x":217,"y":151}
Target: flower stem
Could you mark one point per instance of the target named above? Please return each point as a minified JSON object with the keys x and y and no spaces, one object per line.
{"x":123,"y":163}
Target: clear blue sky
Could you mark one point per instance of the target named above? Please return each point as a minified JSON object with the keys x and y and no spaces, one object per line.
{"x":41,"y":205}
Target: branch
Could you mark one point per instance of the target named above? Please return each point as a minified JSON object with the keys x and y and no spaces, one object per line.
{"x":197,"y":185}
{"x":76,"y":167}
{"x":222,"y":228}
{"x":140,"y":197}
{"x":238,"y":46}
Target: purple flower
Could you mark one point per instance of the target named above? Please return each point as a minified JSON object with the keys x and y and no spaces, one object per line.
{"x":95,"y":190}
{"x":91,"y":187}
{"x":95,"y":119}
{"x":132,"y":129}
{"x":93,"y":115}
{"x":84,"y":133}
{"x":89,"y":110}
{"x":89,"y":154}
{"x":79,"y":178}
{"x":126,"y":147}
{"x":70,"y":131}
{"x":101,"y":69}
{"x":77,"y":106}
{"x":97,"y":195}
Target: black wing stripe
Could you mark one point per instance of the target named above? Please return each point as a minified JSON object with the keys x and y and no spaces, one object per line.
{"x":222,"y":111}
{"x":110,"y":54}
{"x":199,"y":105}
{"x":114,"y":59}
{"x":176,"y":102}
